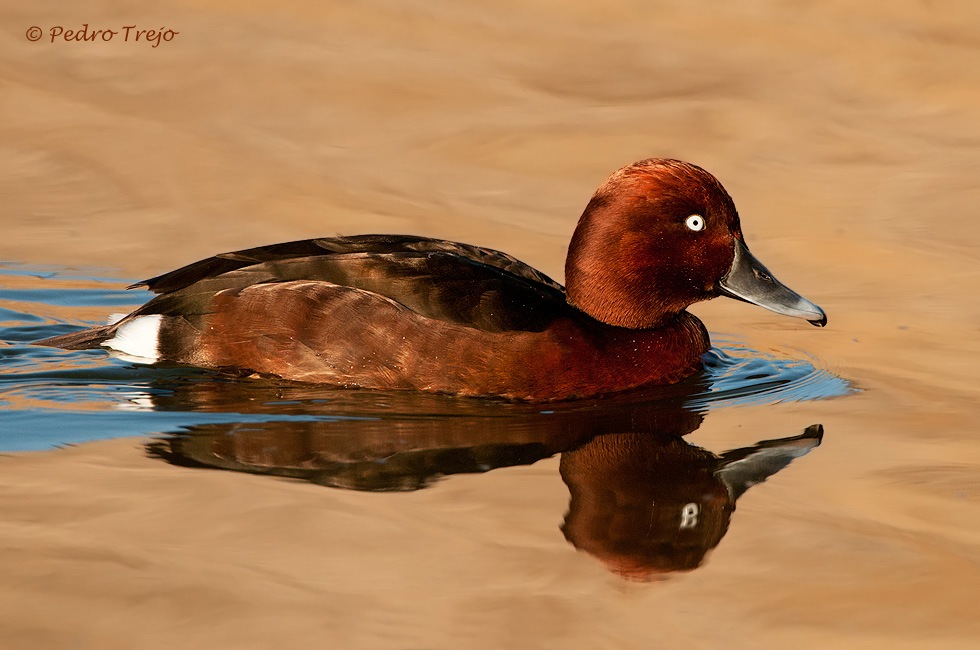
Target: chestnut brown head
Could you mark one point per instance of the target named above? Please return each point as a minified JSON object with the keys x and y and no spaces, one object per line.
{"x":662,"y":234}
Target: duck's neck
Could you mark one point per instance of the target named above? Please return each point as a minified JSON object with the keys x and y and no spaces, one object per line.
{"x":610,"y":275}
{"x":616,"y":306}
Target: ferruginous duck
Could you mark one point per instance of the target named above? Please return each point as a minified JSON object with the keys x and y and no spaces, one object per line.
{"x":402,"y":312}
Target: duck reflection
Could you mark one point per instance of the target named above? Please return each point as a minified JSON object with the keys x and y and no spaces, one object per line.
{"x":643,"y":501}
{"x":648,"y":504}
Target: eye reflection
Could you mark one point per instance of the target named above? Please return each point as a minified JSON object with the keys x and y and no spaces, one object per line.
{"x":643,"y":501}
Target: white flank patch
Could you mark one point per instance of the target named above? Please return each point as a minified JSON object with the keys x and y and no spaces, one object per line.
{"x":115,"y":318}
{"x":138,"y":340}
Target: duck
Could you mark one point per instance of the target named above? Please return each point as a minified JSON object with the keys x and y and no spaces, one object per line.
{"x":400,"y":312}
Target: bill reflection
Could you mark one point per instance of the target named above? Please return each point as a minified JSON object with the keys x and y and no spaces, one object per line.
{"x":643,"y":500}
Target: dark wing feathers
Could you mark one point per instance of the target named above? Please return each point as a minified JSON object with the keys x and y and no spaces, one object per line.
{"x":376,"y":244}
{"x":226,"y":262}
{"x":457,"y":283}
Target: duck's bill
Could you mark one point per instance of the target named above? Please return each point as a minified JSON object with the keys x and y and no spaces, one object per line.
{"x":752,"y":282}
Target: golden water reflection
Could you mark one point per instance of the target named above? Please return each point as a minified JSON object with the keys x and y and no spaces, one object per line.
{"x":643,"y":500}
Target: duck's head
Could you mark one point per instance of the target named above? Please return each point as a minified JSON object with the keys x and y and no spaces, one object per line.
{"x":659,"y":235}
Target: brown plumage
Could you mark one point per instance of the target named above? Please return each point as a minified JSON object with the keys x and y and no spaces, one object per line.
{"x":402,"y":312}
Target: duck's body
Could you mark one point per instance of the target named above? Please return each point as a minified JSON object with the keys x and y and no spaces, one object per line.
{"x":400,"y":312}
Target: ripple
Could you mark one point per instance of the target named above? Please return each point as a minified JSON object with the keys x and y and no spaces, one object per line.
{"x":740,"y":376}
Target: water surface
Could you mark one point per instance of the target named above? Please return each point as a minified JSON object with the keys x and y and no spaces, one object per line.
{"x":642,"y":500}
{"x":848,"y":138}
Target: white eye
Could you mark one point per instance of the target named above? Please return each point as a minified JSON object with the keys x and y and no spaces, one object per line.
{"x":695,"y":222}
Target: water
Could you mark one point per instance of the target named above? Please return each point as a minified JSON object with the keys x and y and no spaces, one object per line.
{"x":52,"y":397}
{"x":847,"y":136}
{"x":643,"y":501}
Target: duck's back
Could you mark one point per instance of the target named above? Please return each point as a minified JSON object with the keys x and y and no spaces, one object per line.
{"x":458,"y":283}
